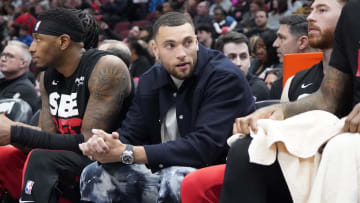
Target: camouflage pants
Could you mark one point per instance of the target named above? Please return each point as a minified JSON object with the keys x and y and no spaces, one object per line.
{"x":131,"y":183}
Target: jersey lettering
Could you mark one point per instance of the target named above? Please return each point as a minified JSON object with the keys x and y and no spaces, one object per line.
{"x":63,"y":105}
{"x":68,"y":126}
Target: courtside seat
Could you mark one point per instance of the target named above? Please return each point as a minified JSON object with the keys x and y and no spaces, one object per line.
{"x":16,"y":110}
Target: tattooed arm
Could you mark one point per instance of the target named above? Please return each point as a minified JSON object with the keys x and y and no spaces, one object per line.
{"x":335,"y":87}
{"x":109,"y":85}
{"x":46,"y":123}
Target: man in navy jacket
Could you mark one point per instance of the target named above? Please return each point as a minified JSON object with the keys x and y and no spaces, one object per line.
{"x":180,"y":119}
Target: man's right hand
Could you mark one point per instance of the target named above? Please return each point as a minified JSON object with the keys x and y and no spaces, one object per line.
{"x":242,"y":125}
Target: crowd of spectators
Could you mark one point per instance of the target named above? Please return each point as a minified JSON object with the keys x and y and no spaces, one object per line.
{"x":131,"y":21}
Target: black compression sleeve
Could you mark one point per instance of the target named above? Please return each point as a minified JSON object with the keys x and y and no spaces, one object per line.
{"x":39,"y":139}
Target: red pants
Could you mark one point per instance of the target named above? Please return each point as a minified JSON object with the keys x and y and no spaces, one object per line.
{"x":11,"y":166}
{"x":203,"y":185}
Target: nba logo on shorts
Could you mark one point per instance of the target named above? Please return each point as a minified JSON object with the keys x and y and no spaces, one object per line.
{"x":28,"y":188}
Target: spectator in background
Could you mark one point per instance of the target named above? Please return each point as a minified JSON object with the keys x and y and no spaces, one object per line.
{"x":248,"y":19}
{"x":202,"y":14}
{"x":294,"y":5}
{"x":106,"y":32}
{"x":278,"y":8}
{"x":145,"y":33}
{"x":114,"y":11}
{"x":224,"y":4}
{"x":15,"y":60}
{"x":261,"y":20}
{"x":136,"y":9}
{"x":168,"y":6}
{"x":134,"y":33}
{"x":23,"y":35}
{"x":26,"y":19}
{"x":118,"y":48}
{"x":204,"y":33}
{"x":3,"y":31}
{"x":41,"y":7}
{"x":139,"y":59}
{"x":272,"y":75}
{"x":235,"y":46}
{"x":292,"y":37}
{"x":158,"y":12}
{"x":222,"y":23}
{"x":240,"y":7}
{"x":155,"y":5}
{"x":266,"y":56}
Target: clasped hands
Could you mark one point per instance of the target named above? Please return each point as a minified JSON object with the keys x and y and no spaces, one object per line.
{"x":103,"y":147}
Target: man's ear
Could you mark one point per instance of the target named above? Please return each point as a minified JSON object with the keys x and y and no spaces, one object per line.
{"x":155,"y":49}
{"x":63,"y":41}
{"x":23,"y":63}
{"x":303,"y":43}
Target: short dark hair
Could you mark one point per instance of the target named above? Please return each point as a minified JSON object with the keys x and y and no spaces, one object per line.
{"x":204,"y":27}
{"x":220,"y":9}
{"x":298,"y":24}
{"x":263,"y":10}
{"x":276,"y":71}
{"x":63,"y":16}
{"x":234,"y":37}
{"x":171,"y":19}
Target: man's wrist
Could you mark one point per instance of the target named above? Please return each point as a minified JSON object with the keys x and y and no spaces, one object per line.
{"x":140,"y":154}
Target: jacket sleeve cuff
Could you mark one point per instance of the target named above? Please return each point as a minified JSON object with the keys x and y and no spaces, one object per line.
{"x":153,"y":153}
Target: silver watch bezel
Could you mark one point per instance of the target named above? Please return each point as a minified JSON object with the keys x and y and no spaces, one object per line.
{"x":127,"y":157}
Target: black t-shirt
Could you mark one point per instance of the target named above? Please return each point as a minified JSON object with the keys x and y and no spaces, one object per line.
{"x":68,"y":97}
{"x":21,"y":88}
{"x":306,"y":82}
{"x":276,"y":88}
{"x":346,"y":52}
{"x":258,"y":88}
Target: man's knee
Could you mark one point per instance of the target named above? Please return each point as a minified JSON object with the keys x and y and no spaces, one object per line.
{"x":90,"y":171}
{"x":239,"y":150}
{"x":10,"y":154}
{"x":342,"y":144}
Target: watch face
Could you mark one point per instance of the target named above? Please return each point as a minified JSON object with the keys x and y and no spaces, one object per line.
{"x":127,"y":158}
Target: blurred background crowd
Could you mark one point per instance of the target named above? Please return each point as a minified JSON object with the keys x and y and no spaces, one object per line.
{"x":131,"y":21}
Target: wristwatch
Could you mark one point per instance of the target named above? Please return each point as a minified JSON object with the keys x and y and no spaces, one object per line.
{"x":127,"y":157}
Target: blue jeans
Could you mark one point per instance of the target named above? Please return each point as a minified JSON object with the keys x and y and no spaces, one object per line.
{"x":131,"y":183}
